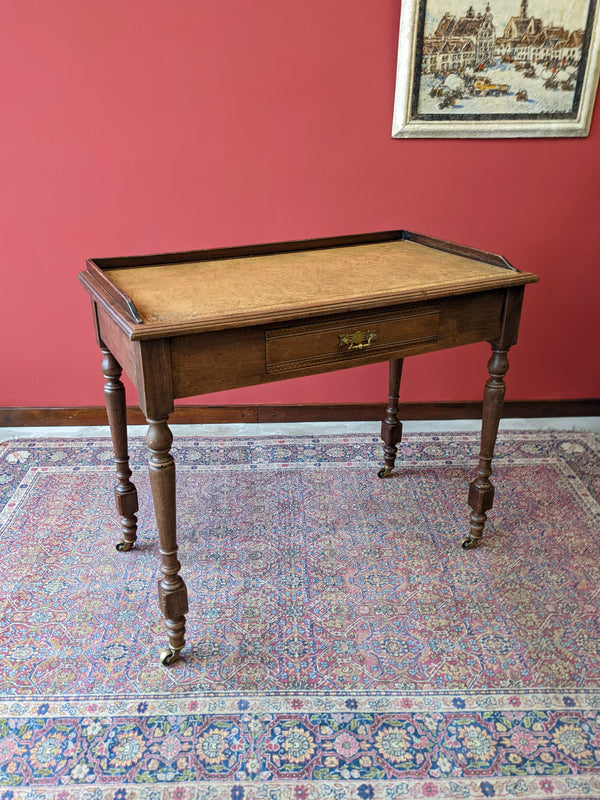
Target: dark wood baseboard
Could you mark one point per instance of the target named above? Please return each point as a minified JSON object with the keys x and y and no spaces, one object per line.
{"x":96,"y":415}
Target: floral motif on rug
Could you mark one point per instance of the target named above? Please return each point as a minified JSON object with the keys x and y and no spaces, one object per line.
{"x":341,"y":644}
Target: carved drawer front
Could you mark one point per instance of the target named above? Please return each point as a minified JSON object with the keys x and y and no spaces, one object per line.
{"x":334,"y":341}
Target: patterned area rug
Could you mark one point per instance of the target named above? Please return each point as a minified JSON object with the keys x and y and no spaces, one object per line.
{"x":341,"y":644}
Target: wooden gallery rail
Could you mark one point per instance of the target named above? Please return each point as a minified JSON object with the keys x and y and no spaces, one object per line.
{"x":185,"y":324}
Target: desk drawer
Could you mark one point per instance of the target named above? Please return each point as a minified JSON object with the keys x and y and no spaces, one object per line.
{"x":339,"y":340}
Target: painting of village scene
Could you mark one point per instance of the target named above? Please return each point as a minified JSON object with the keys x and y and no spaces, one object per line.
{"x":499,"y":59}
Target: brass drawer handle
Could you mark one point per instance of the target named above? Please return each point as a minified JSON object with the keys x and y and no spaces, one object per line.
{"x":357,"y":340}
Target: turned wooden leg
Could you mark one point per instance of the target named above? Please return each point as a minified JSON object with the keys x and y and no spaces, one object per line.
{"x":125,"y":492}
{"x":172,"y":592}
{"x":391,"y":427}
{"x":481,"y":490}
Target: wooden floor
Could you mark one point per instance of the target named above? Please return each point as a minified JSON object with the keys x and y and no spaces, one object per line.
{"x":591,"y":423}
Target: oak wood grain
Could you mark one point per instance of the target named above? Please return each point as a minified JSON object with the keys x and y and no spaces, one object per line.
{"x":187,"y":324}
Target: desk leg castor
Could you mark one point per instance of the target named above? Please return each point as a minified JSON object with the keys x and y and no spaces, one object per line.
{"x":481,"y":490}
{"x":170,"y":656}
{"x":391,"y":427}
{"x":126,"y":499}
{"x":172,"y":592}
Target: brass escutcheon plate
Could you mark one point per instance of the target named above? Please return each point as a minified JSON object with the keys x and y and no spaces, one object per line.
{"x":357,"y":340}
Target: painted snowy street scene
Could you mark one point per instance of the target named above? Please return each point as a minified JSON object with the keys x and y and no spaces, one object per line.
{"x":520,"y":58}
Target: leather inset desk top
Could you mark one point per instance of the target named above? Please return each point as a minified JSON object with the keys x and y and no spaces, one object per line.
{"x":230,"y":292}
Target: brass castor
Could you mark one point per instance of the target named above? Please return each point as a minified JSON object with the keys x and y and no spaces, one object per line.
{"x":384,"y":472}
{"x":468,"y":543}
{"x":170,"y":656}
{"x":123,"y":546}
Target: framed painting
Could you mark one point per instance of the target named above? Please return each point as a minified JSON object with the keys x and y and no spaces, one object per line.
{"x":496,"y":68}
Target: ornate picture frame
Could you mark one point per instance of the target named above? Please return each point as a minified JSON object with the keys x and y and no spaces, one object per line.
{"x":496,"y":68}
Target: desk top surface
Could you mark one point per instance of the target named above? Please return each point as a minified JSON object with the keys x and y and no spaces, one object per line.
{"x":256,"y":289}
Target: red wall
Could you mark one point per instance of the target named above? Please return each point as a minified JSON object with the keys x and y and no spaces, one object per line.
{"x":136,"y":126}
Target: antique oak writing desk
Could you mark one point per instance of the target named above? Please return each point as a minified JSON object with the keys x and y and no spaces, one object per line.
{"x":185,"y":324}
